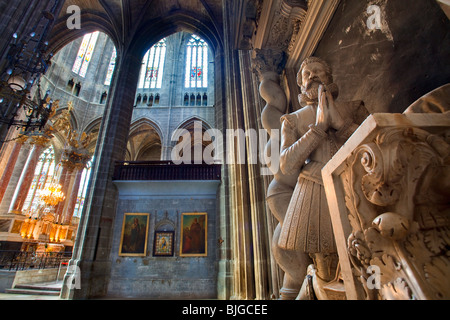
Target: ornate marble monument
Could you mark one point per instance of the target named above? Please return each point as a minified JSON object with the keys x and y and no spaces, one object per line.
{"x":388,"y":193}
{"x":362,"y":200}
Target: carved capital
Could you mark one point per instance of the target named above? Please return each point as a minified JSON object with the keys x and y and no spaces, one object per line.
{"x":21,"y":139}
{"x":74,"y":159}
{"x":271,"y":60}
{"x":40,"y":140}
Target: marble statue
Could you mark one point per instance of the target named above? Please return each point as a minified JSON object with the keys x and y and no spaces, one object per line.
{"x":310,"y":137}
{"x":268,"y":64}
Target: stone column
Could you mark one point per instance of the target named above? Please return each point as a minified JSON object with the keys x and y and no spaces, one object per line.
{"x":72,"y":199}
{"x":7,"y":173}
{"x":14,"y":179}
{"x":64,"y":181}
{"x":91,"y":254}
{"x":39,"y":142}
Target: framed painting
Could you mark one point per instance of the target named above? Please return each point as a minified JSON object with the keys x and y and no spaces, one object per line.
{"x":194,"y":235}
{"x":163,"y":244}
{"x":134,"y":237}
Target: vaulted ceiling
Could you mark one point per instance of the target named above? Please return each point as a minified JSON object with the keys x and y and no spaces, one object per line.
{"x":126,"y":21}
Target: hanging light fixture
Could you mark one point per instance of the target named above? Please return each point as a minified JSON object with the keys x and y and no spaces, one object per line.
{"x":52,"y":195}
{"x":28,"y":60}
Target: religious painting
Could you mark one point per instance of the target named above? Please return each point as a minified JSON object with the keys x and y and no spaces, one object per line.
{"x":194,"y":235}
{"x":134,"y":234}
{"x":163,"y":244}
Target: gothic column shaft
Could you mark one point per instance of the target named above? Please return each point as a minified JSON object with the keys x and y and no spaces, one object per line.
{"x":64,"y":181}
{"x":72,"y":199}
{"x":92,"y":248}
{"x":7,"y":173}
{"x":25,"y":180}
{"x":14,"y":179}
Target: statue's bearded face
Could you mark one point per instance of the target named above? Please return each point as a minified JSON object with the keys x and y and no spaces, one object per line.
{"x":312,"y":76}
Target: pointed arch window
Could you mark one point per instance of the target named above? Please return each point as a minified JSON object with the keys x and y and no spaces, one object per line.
{"x":85,"y":52}
{"x":196,"y":63}
{"x":111,"y":67}
{"x":153,"y":67}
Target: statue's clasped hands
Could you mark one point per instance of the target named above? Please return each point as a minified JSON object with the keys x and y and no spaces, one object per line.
{"x":327,"y":115}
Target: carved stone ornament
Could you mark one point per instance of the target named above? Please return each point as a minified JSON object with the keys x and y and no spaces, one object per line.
{"x":268,"y":60}
{"x":397,"y":192}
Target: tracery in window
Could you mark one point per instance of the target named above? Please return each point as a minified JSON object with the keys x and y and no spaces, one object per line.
{"x":196,"y":63}
{"x":111,"y":67}
{"x":153,"y":67}
{"x":85,"y":54}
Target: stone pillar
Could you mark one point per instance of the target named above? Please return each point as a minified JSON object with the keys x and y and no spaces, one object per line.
{"x":242,"y":255}
{"x":91,"y":254}
{"x":260,"y":220}
{"x":39,"y":142}
{"x":64,"y":181}
{"x":72,"y":199}
{"x":7,"y":173}
{"x":14,"y":179}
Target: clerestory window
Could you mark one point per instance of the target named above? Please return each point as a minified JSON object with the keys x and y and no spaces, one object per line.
{"x":85,"y":54}
{"x":111,"y":67}
{"x":153,"y":67}
{"x":196,"y":63}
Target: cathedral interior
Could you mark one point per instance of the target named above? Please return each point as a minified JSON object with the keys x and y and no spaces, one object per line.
{"x":226,"y":149}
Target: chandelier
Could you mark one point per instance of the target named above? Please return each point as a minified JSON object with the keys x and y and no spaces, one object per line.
{"x":52,"y":195}
{"x":27,"y":61}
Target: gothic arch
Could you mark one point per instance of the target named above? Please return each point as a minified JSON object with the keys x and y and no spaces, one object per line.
{"x":93,"y":126}
{"x":151,"y":33}
{"x":190,"y":126}
{"x":186,"y":123}
{"x":62,"y":36}
{"x":145,"y":121}
{"x":93,"y":129}
{"x":144,"y":141}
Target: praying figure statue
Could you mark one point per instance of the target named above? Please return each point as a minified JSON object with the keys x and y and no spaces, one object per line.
{"x":310,"y":137}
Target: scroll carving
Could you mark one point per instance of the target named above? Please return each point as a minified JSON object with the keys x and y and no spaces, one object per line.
{"x":398,"y":208}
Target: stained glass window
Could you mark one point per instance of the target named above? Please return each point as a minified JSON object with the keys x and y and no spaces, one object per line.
{"x":153,"y":67}
{"x":196,"y":63}
{"x":111,"y":67}
{"x":85,"y":52}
